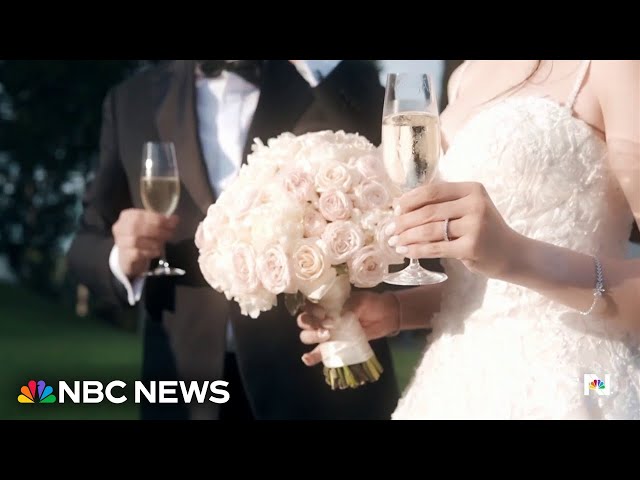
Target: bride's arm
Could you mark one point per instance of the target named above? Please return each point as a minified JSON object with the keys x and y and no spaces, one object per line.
{"x":567,"y":276}
{"x":483,"y":241}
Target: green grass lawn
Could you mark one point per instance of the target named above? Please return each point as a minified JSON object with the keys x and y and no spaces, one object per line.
{"x":40,"y":340}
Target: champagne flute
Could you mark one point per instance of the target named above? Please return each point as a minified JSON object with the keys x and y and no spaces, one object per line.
{"x":411,"y":149}
{"x":160,"y":190}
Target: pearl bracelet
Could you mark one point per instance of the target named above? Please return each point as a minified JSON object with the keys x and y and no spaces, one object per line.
{"x":599,"y":288}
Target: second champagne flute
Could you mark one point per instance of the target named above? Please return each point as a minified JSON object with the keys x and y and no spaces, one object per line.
{"x":411,"y":149}
{"x":160,"y":190}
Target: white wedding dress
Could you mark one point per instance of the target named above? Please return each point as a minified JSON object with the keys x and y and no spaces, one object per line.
{"x":500,"y":351}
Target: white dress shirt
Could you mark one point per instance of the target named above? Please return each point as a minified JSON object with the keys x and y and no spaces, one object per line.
{"x":225,"y":108}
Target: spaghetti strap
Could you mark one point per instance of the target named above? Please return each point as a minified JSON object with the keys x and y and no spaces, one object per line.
{"x":582,"y":72}
{"x":456,"y":87}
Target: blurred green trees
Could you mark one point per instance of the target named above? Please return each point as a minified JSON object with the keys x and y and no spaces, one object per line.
{"x":50,"y":114}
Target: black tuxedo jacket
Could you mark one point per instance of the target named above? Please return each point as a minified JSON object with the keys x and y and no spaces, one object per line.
{"x":185,"y":319}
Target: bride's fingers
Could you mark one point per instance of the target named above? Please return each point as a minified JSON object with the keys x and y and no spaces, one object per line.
{"x":311,"y":337}
{"x":315,"y":310}
{"x":312,"y":358}
{"x":430,"y":232}
{"x":308,"y":322}
{"x":430,"y":213}
{"x":458,"y":248}
{"x":433,"y":194}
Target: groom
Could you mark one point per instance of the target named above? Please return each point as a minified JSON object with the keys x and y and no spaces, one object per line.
{"x":212,"y":110}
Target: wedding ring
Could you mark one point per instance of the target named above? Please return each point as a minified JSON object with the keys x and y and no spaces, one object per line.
{"x":446,"y":230}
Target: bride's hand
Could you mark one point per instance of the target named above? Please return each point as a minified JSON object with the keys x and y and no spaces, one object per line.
{"x":478,"y":235}
{"x":379,"y":315}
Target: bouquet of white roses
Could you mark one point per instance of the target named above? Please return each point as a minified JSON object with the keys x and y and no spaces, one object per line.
{"x":306,"y":218}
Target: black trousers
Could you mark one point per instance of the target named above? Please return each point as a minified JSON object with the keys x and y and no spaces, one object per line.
{"x":238,"y":407}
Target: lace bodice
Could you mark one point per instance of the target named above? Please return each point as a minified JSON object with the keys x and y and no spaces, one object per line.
{"x":503,"y":351}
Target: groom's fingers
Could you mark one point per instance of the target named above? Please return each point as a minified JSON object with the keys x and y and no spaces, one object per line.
{"x":312,"y":358}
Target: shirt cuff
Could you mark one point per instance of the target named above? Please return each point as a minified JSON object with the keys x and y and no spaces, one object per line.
{"x":314,"y":71}
{"x":134,"y":290}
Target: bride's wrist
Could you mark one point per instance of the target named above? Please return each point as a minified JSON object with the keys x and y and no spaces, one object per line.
{"x":517,"y":258}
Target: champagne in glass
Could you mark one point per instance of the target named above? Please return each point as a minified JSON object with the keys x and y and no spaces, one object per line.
{"x":411,"y":146}
{"x":160,"y":190}
{"x":160,"y":194}
{"x":411,"y":150}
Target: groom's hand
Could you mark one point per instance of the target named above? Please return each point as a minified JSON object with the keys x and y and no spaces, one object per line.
{"x":140,"y":236}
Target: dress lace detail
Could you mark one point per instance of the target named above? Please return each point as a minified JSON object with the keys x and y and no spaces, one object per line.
{"x":502,"y":351}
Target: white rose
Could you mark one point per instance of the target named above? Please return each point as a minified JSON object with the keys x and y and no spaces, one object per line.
{"x":199,"y":238}
{"x":244,"y":268}
{"x":369,"y":221}
{"x":261,"y":301}
{"x":312,"y":268}
{"x":333,"y":175}
{"x":210,"y":228}
{"x":367,"y":267}
{"x":335,"y":205}
{"x":342,"y":240}
{"x":314,"y":223}
{"x":276,"y":223}
{"x":369,"y":195}
{"x":274,"y":271}
{"x":244,"y":201}
{"x":300,"y":185}
{"x":372,"y":168}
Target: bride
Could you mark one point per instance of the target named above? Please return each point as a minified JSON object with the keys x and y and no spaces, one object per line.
{"x":541,"y":185}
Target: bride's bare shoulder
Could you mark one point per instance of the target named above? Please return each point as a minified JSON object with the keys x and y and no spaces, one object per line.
{"x":616,"y":77}
{"x":616,"y":84}
{"x":454,"y":80}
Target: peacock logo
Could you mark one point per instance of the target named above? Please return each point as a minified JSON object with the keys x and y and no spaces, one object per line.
{"x":594,"y":384}
{"x":44,"y":391}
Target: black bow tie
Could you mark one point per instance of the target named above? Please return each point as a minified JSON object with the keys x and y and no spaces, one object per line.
{"x":250,"y":70}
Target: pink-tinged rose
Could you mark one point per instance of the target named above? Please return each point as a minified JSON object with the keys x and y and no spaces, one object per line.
{"x":243,"y":203}
{"x":314,"y":223}
{"x":371,"y":168}
{"x":342,"y":239}
{"x":300,"y":184}
{"x":244,"y":267}
{"x":371,"y":195}
{"x":314,"y":274}
{"x":274,"y":271}
{"x":382,"y":241}
{"x":200,"y":237}
{"x":209,"y":229}
{"x":335,"y":205}
{"x":334,"y":176}
{"x":367,"y":267}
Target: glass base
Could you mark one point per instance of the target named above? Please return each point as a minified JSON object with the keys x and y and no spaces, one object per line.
{"x":414,"y":274}
{"x":165,"y":272}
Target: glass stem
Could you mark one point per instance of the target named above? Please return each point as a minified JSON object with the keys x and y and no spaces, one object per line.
{"x":414,"y":263}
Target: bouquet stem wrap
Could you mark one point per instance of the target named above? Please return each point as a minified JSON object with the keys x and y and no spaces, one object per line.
{"x":347,"y":356}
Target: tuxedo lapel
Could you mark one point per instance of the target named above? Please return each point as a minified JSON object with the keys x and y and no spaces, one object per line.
{"x":177,"y":122}
{"x":284,"y":96}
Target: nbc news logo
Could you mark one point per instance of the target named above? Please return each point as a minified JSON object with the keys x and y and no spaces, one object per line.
{"x":93,"y":391}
